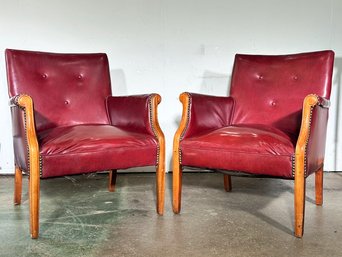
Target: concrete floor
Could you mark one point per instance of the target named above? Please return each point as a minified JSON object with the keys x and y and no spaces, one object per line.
{"x":79,"y":217}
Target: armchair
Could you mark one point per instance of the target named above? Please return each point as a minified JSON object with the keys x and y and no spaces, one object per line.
{"x":273,"y":124}
{"x":66,"y":122}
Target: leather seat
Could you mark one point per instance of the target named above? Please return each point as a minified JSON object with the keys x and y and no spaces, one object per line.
{"x":97,"y":147}
{"x":256,"y":145}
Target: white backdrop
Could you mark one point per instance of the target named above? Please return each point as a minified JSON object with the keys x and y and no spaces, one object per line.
{"x":172,"y":46}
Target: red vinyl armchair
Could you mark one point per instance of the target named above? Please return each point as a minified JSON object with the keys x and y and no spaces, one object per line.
{"x":273,"y":124}
{"x":66,"y":122}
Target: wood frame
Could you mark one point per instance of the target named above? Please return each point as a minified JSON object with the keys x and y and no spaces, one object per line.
{"x":155,"y":99}
{"x":176,"y":155}
{"x":25,"y":102}
{"x":310,"y":102}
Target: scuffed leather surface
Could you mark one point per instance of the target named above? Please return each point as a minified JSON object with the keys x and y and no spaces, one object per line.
{"x":268,"y":92}
{"x":208,"y":113}
{"x":316,"y":144}
{"x":86,"y":148}
{"x":130,"y":112}
{"x":252,"y":148}
{"x":74,"y":86}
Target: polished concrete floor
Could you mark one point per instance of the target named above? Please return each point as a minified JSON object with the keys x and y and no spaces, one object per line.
{"x":79,"y":217}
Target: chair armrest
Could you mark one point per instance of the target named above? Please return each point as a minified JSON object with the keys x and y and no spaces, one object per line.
{"x":137,"y":113}
{"x":203,"y":113}
{"x":310,"y":146}
{"x":24,"y":133}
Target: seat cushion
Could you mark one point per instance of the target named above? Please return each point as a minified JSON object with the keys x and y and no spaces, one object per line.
{"x":88,"y":148}
{"x":254,"y":149}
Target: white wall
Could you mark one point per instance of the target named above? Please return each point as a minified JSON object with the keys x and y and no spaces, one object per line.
{"x":172,"y":46}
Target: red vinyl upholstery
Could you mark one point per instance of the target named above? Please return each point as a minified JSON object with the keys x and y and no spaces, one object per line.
{"x":273,"y":124}
{"x":255,"y":129}
{"x":65,"y":122}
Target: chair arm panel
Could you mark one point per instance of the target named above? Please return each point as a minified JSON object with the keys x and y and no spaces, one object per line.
{"x":310,"y":146}
{"x":139,"y":113}
{"x":133,"y":113}
{"x":203,"y":113}
{"x":25,"y":140}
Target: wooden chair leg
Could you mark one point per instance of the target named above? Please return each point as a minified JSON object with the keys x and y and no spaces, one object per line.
{"x":160,"y":182}
{"x":227,"y":180}
{"x":34,"y":192}
{"x":18,"y":185}
{"x":299,"y":201}
{"x":112,"y":180}
{"x":177,"y":188}
{"x":319,"y":186}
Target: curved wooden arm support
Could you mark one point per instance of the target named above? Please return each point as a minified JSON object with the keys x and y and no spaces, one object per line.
{"x":176,"y":158}
{"x":310,"y":102}
{"x":155,"y":99}
{"x":26,"y":103}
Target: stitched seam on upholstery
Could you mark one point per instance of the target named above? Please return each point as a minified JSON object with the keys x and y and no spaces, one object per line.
{"x":232,"y":113}
{"x":153,"y":128}
{"x":138,"y":148}
{"x":221,"y":150}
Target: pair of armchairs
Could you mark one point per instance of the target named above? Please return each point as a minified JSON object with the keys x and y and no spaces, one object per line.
{"x":65,"y":121}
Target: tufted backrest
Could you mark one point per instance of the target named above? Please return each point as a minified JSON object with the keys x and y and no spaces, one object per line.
{"x":270,"y":90}
{"x":67,"y":89}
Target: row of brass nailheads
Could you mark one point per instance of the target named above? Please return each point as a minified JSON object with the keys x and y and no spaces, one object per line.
{"x":186,"y":127}
{"x":27,"y":145}
{"x":153,"y":128}
{"x":306,"y":144}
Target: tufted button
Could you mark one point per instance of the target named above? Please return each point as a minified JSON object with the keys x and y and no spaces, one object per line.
{"x":66,"y":102}
{"x":260,"y":77}
{"x":80,"y":76}
{"x":273,"y":103}
{"x":295,"y":77}
{"x":44,"y":76}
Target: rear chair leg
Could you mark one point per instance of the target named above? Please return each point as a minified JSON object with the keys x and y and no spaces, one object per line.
{"x":112,"y":180}
{"x":227,"y":182}
{"x":18,"y":185}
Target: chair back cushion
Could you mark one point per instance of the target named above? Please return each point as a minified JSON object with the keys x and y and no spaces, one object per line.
{"x":270,"y":90}
{"x":67,"y":89}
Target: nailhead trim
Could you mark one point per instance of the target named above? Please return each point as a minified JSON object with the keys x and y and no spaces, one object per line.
{"x":187,"y":118}
{"x":306,"y":144}
{"x":16,"y":103}
{"x":152,"y":127}
{"x":186,"y":127}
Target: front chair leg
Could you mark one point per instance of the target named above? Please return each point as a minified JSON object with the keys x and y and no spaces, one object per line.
{"x":319,"y":186}
{"x":177,"y":187}
{"x":34,"y":191}
{"x":227,"y":180}
{"x":299,"y":195}
{"x":18,"y":185}
{"x":160,"y":182}
{"x":112,"y":180}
